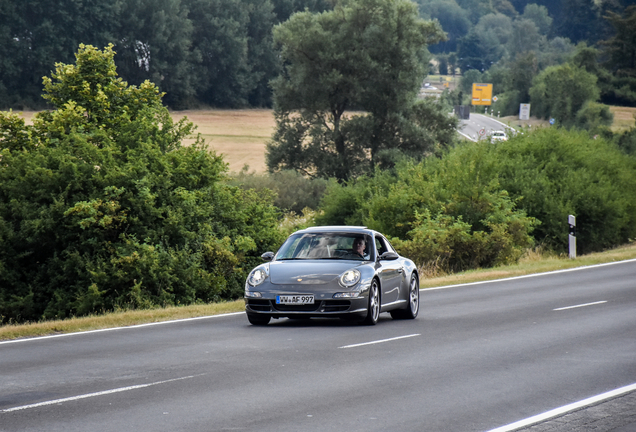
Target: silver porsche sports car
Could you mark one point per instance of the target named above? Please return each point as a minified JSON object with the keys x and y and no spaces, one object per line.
{"x":333,"y":271}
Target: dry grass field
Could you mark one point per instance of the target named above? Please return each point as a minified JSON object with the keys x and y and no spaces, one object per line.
{"x":240,"y":135}
{"x":624,"y":118}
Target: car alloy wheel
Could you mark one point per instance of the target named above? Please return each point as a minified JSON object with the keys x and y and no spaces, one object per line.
{"x":414,"y":298}
{"x":413,"y":306}
{"x":373,"y":311}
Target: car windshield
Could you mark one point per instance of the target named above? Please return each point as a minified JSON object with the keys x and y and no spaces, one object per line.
{"x":348,"y":246}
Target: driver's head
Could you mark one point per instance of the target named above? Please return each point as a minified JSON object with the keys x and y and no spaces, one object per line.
{"x":359,"y":244}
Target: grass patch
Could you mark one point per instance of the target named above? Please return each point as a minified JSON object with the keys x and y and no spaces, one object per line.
{"x":531,"y":263}
{"x":117,"y":319}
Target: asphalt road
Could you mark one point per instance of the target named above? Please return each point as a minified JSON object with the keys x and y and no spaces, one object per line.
{"x":480,"y":126}
{"x":478,"y":357}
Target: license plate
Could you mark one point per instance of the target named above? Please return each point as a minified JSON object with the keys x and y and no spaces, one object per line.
{"x":295,"y":299}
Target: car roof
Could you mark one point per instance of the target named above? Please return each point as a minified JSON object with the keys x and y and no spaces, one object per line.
{"x":338,"y":228}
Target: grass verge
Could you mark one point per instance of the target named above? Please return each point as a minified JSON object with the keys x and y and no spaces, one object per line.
{"x":532,"y":263}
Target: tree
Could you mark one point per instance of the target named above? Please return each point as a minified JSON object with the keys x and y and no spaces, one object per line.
{"x":154,"y":41}
{"x":539,"y":16}
{"x":454,"y":20}
{"x":561,"y":91}
{"x":365,"y":55}
{"x":34,"y":34}
{"x":102,"y":208}
{"x":621,"y":48}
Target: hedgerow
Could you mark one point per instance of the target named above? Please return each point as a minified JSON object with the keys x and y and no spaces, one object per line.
{"x":101,"y":207}
{"x":483,"y":204}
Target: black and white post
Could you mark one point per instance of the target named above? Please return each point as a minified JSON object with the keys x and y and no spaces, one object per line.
{"x":572,"y":236}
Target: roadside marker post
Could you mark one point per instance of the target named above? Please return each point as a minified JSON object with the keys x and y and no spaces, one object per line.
{"x":572,"y":236}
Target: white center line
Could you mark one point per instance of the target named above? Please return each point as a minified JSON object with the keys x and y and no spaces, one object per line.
{"x":581,"y":305}
{"x":89,"y":395}
{"x":380,"y":341}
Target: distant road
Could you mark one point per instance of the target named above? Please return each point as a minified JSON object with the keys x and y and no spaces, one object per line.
{"x":480,"y":126}
{"x":478,"y":357}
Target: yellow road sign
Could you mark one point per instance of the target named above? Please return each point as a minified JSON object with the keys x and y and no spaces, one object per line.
{"x":482,"y":94}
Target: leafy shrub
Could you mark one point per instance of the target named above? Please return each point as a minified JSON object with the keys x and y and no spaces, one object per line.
{"x":443,"y":211}
{"x":479,"y":204}
{"x":293,"y":191}
{"x":102,"y":208}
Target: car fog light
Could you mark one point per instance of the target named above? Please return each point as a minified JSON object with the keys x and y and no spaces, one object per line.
{"x":253,"y":294}
{"x":354,"y":294}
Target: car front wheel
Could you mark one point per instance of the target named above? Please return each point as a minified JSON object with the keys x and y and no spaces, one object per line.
{"x":373,"y":310}
{"x":413,"y":307}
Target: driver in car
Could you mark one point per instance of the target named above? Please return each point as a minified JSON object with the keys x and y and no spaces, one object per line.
{"x":358,"y":246}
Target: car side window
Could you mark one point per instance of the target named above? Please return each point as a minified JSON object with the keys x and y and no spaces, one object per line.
{"x":389,"y":248}
{"x":380,"y":245}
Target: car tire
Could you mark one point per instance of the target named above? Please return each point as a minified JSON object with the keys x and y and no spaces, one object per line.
{"x":373,"y":309}
{"x":255,"y":319}
{"x":413,"y":306}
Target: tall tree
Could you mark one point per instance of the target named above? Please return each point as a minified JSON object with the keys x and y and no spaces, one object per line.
{"x":154,"y":43}
{"x":34,"y":34}
{"x":561,"y":91}
{"x":365,"y":55}
{"x":621,"y":48}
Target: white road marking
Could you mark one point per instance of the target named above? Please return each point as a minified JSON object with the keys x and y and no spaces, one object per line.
{"x":380,"y":341}
{"x":529,"y":275}
{"x":565,"y":409}
{"x":89,"y":395}
{"x":579,"y":306}
{"x":118,"y":328}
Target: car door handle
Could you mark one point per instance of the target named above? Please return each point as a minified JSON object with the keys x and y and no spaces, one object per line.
{"x":401,"y":270}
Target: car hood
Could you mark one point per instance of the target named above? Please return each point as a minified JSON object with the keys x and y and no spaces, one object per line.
{"x":308,"y":272}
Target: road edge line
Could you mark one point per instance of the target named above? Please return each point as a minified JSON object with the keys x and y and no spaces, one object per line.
{"x":119,"y":328}
{"x":566,"y":409}
{"x":529,"y":275}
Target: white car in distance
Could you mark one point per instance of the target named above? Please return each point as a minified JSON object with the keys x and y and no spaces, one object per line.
{"x":498,"y":136}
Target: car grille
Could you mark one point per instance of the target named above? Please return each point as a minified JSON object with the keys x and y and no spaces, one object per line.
{"x":320,"y":306}
{"x":297,"y":308}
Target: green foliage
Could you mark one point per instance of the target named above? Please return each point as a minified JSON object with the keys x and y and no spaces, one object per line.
{"x":444,"y":212}
{"x":102,"y":208}
{"x":479,"y":204}
{"x":561,"y":91}
{"x":593,"y":116}
{"x":554,"y":173}
{"x":293,"y":191}
{"x":365,"y":55}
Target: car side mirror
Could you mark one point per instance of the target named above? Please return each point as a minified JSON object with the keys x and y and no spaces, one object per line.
{"x":389,"y":256}
{"x":267,"y":256}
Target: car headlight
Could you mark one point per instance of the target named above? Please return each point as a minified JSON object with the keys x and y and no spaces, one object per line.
{"x":256,"y":277}
{"x":350,"y":278}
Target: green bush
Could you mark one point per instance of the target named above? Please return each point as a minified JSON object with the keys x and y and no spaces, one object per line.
{"x":442,"y":211}
{"x":293,"y":191}
{"x":479,"y":204}
{"x":102,"y":208}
